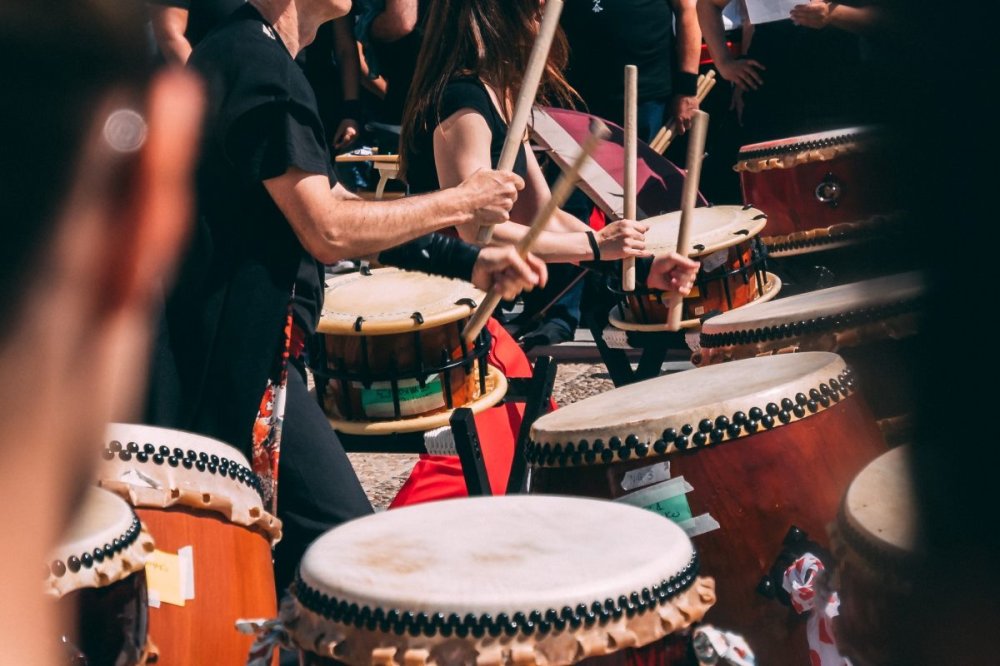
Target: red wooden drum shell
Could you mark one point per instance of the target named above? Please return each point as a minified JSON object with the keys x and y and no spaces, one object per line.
{"x":790,"y":193}
{"x":756,"y":487}
{"x":111,"y":627}
{"x":233,"y":579}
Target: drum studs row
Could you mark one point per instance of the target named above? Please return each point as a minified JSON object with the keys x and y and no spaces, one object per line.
{"x":189,"y":459}
{"x":708,"y":430}
{"x":541,"y":622}
{"x":74,"y":563}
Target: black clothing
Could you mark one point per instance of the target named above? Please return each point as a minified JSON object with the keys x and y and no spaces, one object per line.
{"x":203,"y":15}
{"x":606,"y":35}
{"x":397,"y":62}
{"x":460,"y":93}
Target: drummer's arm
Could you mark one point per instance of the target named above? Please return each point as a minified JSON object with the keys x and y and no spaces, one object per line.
{"x":333,"y":224}
{"x":685,"y":85}
{"x":742,"y":73}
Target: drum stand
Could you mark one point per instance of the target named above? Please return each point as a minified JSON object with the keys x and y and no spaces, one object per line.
{"x":535,"y":392}
{"x":654,"y":346}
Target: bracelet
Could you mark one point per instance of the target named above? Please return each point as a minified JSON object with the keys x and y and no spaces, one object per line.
{"x":594,"y":247}
{"x":685,"y":83}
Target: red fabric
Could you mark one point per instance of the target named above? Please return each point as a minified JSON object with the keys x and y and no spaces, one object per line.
{"x":598,"y":220}
{"x":440,"y":477}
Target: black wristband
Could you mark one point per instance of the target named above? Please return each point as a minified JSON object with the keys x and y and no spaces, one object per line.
{"x":350,"y":109}
{"x":594,"y":247}
{"x":685,"y":84}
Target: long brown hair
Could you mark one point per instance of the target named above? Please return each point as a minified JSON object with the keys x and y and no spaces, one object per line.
{"x":490,"y":39}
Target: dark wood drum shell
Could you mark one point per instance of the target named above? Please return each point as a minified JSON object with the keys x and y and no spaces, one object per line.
{"x":111,"y":623}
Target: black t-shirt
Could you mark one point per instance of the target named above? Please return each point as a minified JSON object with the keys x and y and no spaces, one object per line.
{"x":227,"y":311}
{"x":606,"y":35}
{"x":203,"y":15}
{"x":398,"y":61}
{"x":460,"y":93}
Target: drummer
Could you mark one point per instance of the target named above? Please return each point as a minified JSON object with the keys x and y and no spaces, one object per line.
{"x":94,"y":179}
{"x":269,"y":214}
{"x":455,"y":124}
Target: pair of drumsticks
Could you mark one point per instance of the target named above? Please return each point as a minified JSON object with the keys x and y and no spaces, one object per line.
{"x":565,"y":185}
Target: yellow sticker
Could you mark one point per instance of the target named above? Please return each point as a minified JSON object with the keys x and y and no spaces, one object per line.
{"x":164,"y":578}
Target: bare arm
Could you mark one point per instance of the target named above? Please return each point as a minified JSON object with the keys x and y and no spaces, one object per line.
{"x":169,"y":24}
{"x":818,"y":15}
{"x":742,"y":73}
{"x":335,"y":224}
{"x":689,"y":35}
{"x":376,"y":86}
{"x":397,"y":21}
{"x":349,"y":66}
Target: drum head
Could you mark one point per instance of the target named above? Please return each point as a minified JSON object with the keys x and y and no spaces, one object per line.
{"x":713,"y":228}
{"x":389,"y":301}
{"x":159,"y":468}
{"x":880,"y":506}
{"x":869,"y":295}
{"x":102,"y":545}
{"x":507,"y":567}
{"x":717,"y":402}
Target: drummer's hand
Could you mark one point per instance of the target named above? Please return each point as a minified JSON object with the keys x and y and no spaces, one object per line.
{"x":742,"y":73}
{"x":672,"y":272}
{"x":683,"y":110}
{"x":502,"y":268}
{"x":491,"y":195}
{"x":815,"y":14}
{"x":624,"y":238}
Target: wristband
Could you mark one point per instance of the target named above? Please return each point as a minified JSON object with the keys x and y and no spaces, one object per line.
{"x":594,"y":247}
{"x":685,"y":84}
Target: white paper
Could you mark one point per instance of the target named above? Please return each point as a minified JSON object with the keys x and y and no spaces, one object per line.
{"x":766,"y":11}
{"x":645,"y":476}
{"x":186,"y":555}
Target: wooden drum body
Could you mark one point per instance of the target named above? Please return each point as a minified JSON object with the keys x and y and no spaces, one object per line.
{"x":733,"y":272}
{"x":192,"y":491}
{"x":394,"y":359}
{"x":871,"y":323}
{"x":737,"y":454}
{"x":500,"y":580}
{"x":819,"y":190}
{"x":875,"y":545}
{"x":98,"y":577}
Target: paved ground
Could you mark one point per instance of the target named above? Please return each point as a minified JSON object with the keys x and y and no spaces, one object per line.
{"x":383,"y":474}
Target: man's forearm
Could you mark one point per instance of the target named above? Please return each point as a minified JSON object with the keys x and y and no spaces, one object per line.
{"x":859,"y":20}
{"x":713,"y":29}
{"x":689,"y":38}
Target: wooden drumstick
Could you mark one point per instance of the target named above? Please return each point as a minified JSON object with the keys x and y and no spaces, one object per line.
{"x":689,"y":196}
{"x":667,"y":134}
{"x":631,"y":163}
{"x":563,"y":188}
{"x":526,"y":97}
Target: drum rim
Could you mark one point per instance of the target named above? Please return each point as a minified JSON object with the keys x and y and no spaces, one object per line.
{"x":844,"y":234}
{"x":567,"y":448}
{"x":415,"y":321}
{"x":757,"y":222}
{"x":739,"y":333}
{"x":624,"y":323}
{"x":800,"y":142}
{"x":490,"y":399}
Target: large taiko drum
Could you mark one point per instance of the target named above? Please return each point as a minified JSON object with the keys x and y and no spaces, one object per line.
{"x":820,"y":191}
{"x":870,"y":323}
{"x":97,"y":574}
{"x":394,"y":357}
{"x":198,"y":493}
{"x":733,"y":268}
{"x":737,"y":454}
{"x":502,"y":581}
{"x":875,"y":546}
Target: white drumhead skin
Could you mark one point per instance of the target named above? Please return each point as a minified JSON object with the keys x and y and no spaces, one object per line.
{"x":161,"y":485}
{"x":100,"y":518}
{"x":645,"y":409}
{"x":824,"y":302}
{"x":880,"y":504}
{"x":496,"y":554}
{"x":387,"y":299}
{"x":846,"y":133}
{"x":713,"y":228}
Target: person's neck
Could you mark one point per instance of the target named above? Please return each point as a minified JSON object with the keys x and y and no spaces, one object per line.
{"x":296,"y":26}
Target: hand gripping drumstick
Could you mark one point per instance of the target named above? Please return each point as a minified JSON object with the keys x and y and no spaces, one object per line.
{"x":526,"y":97}
{"x":668,"y":133}
{"x":563,"y":188}
{"x":631,"y":163}
{"x":689,"y":196}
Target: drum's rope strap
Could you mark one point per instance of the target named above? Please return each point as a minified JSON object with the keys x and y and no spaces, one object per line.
{"x":808,"y":595}
{"x":714,"y":646}
{"x":270,"y":635}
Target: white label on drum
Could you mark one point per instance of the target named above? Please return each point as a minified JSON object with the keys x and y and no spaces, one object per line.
{"x":669,"y":499}
{"x":699,"y":525}
{"x":712,"y":261}
{"x":644,"y":476}
{"x":413,"y":399}
{"x":186,"y":556}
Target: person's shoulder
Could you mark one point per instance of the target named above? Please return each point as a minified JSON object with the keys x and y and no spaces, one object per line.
{"x":465,"y":92}
{"x":242,"y":44}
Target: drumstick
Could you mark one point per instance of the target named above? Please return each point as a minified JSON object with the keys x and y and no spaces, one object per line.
{"x":667,"y":134}
{"x":689,"y":196}
{"x":563,"y":188}
{"x":631,"y":163}
{"x":526,"y":97}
